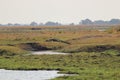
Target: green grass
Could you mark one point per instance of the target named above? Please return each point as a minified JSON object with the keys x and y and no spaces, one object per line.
{"x":11,"y":51}
{"x":111,"y":52}
{"x":94,"y":54}
{"x":86,"y":66}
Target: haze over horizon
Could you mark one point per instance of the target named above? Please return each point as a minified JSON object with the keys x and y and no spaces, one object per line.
{"x":63,"y":11}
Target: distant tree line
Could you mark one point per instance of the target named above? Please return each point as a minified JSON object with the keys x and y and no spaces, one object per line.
{"x":100,"y":22}
{"x":49,"y":23}
{"x":82,"y":22}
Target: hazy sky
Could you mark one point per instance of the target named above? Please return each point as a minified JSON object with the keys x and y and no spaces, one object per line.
{"x":64,"y":11}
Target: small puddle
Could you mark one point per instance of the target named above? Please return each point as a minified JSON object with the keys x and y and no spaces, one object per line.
{"x":28,"y":75}
{"x":47,"y":52}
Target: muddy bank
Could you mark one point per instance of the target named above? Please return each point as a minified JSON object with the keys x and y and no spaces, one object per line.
{"x":32,"y":46}
{"x":95,"y":48}
{"x":100,"y":48}
{"x":57,"y":40}
{"x":89,"y":48}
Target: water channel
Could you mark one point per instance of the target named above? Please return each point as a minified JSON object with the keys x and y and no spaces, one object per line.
{"x":28,"y":75}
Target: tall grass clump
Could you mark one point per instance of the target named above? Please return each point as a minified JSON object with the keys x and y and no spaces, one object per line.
{"x":11,"y":51}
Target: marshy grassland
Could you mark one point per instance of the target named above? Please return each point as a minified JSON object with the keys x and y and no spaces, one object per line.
{"x":94,"y":50}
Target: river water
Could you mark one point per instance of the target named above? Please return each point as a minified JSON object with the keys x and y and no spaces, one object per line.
{"x":31,"y":75}
{"x":28,"y":75}
{"x":47,"y":52}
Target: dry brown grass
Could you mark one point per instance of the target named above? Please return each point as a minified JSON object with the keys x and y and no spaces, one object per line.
{"x":77,"y":36}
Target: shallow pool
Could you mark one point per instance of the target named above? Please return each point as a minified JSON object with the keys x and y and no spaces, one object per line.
{"x":28,"y":75}
{"x":47,"y":52}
